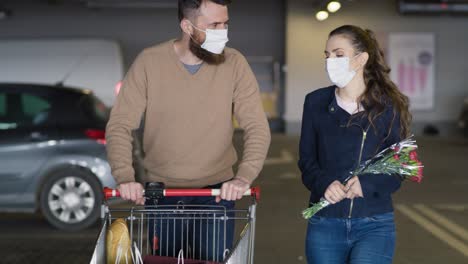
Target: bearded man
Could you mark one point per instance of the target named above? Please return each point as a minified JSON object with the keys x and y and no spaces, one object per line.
{"x":187,"y":91}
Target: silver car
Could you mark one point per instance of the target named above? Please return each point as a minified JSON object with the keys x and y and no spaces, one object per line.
{"x":52,"y":153}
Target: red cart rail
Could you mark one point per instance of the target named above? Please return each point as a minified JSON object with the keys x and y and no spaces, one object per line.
{"x":254,"y":192}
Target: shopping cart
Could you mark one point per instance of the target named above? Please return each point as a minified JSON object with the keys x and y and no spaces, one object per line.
{"x":152,"y":229}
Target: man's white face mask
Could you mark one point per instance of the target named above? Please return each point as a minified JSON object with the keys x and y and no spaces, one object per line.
{"x":339,"y":72}
{"x":215,"y":40}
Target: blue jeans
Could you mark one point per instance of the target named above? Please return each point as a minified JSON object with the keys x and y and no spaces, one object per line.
{"x":368,"y":240}
{"x":199,"y":238}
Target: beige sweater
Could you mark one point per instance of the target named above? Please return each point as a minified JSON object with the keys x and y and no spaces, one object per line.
{"x":188,"y":120}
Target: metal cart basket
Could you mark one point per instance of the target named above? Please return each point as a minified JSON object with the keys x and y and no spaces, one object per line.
{"x":169,"y":233}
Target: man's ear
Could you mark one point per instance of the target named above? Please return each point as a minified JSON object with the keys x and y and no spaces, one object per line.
{"x":186,"y":26}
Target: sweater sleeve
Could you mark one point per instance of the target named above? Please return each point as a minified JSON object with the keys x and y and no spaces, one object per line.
{"x":384,"y":184}
{"x":313,"y":177}
{"x":248,"y":111}
{"x":125,"y":117}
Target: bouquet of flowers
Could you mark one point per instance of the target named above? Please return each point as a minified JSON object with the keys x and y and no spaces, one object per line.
{"x":399,"y":159}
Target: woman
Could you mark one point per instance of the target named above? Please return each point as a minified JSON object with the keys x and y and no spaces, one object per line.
{"x":343,"y":126}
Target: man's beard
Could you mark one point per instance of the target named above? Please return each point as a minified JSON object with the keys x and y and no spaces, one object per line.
{"x":204,"y":55}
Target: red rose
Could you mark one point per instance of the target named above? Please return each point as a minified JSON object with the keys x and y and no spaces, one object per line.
{"x":413,"y":155}
{"x":418,"y":175}
{"x":420,"y":171}
{"x":418,"y":179}
{"x":396,"y":157}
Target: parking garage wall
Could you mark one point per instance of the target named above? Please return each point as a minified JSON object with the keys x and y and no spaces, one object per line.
{"x":306,"y":39}
{"x":257,"y":28}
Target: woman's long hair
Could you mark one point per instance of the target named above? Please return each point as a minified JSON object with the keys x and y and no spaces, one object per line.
{"x":379,"y":88}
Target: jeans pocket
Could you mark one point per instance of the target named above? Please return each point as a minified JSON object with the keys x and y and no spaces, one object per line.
{"x":387,"y":217}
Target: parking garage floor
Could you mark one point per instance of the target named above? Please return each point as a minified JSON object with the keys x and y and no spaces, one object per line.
{"x":431,"y":217}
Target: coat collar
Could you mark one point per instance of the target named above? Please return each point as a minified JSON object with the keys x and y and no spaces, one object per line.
{"x":342,"y":116}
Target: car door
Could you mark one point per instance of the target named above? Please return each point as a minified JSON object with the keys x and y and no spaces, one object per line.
{"x":27,"y":139}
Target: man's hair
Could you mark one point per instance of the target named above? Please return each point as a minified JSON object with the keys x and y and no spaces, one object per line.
{"x":188,"y":7}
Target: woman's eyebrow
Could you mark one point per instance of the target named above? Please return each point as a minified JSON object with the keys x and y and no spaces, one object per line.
{"x":335,"y":50}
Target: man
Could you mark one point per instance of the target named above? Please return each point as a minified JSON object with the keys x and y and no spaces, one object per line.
{"x":188,"y":89}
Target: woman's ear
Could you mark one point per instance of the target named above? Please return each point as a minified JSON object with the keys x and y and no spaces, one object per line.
{"x":363,"y":58}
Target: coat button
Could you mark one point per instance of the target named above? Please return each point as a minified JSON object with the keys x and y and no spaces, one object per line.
{"x":332,"y":109}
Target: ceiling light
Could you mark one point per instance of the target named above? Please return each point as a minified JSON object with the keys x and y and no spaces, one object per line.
{"x":322,"y":15}
{"x":333,"y":6}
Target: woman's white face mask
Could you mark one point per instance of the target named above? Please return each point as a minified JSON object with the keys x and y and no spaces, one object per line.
{"x":339,"y":72}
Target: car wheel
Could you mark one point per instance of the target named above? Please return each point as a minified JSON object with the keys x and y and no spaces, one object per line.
{"x":71,"y":199}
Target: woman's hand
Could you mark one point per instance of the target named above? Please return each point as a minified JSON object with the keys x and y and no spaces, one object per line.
{"x":353,"y":188}
{"x":335,"y":192}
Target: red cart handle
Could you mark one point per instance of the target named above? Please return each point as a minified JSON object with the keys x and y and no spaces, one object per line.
{"x":254,"y":192}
